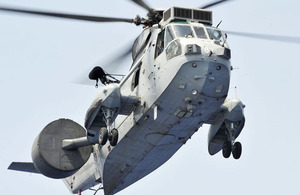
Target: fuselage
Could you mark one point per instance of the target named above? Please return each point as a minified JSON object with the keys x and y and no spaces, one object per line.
{"x":180,"y":76}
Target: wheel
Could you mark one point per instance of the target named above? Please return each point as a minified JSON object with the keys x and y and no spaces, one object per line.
{"x":226,"y":149}
{"x":103,"y":136}
{"x":114,"y":137}
{"x":237,"y":150}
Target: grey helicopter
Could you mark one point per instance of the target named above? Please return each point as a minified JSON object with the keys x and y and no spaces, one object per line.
{"x":178,"y":81}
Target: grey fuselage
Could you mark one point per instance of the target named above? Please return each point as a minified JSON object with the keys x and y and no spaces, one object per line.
{"x":177,"y":90}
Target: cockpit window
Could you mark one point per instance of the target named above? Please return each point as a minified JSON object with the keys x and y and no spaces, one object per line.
{"x":183,"y":31}
{"x":200,"y":32}
{"x":215,"y":35}
{"x":160,"y":44}
{"x":189,"y":31}
{"x":140,"y":43}
{"x":169,"y":35}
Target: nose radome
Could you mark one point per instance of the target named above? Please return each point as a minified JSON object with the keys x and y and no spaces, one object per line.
{"x":217,"y":80}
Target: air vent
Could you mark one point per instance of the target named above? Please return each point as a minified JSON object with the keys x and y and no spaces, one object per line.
{"x":188,"y":15}
{"x":167,"y":14}
{"x":202,"y":15}
{"x":182,"y":13}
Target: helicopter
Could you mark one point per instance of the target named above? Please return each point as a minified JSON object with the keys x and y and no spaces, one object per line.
{"x":142,"y":100}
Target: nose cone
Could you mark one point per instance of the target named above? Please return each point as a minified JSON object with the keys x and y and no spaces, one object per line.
{"x":217,"y":81}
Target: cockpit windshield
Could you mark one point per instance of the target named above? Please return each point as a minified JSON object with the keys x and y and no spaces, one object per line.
{"x":215,"y":34}
{"x":187,"y":31}
{"x":183,"y":31}
{"x":200,"y":32}
{"x":173,"y":32}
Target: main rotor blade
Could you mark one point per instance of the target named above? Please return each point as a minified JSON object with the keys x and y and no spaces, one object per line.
{"x":213,"y":4}
{"x":143,"y":5}
{"x":67,"y":16}
{"x":114,"y":64}
{"x":288,"y":39}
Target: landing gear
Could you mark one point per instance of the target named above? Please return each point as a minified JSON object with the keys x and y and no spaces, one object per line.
{"x":237,"y":150}
{"x":227,"y":149}
{"x":113,"y":138}
{"x":106,"y":133}
{"x":103,"y":136}
{"x":230,"y":146}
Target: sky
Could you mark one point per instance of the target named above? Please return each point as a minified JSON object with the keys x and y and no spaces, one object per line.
{"x":41,"y":60}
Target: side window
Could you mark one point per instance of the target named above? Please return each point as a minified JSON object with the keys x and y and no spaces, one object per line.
{"x":140,"y":43}
{"x":215,"y":35}
{"x":169,"y":36}
{"x":159,"y":44}
{"x":136,"y":78}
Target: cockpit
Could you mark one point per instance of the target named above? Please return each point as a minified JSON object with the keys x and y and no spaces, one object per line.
{"x":169,"y":38}
{"x":189,"y":31}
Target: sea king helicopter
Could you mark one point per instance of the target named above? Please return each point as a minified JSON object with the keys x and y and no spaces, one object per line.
{"x":178,"y":81}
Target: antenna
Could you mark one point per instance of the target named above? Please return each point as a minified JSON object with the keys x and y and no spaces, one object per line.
{"x":235,"y":92}
{"x":219,"y":24}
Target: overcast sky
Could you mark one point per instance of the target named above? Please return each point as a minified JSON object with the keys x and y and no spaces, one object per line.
{"x":42,"y":58}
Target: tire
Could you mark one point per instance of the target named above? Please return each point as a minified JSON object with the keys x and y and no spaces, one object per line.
{"x":103,"y":136}
{"x":114,"y":137}
{"x":226,"y":149}
{"x":237,"y":150}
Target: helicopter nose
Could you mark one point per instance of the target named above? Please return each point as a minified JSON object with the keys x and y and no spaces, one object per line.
{"x":217,"y":80}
